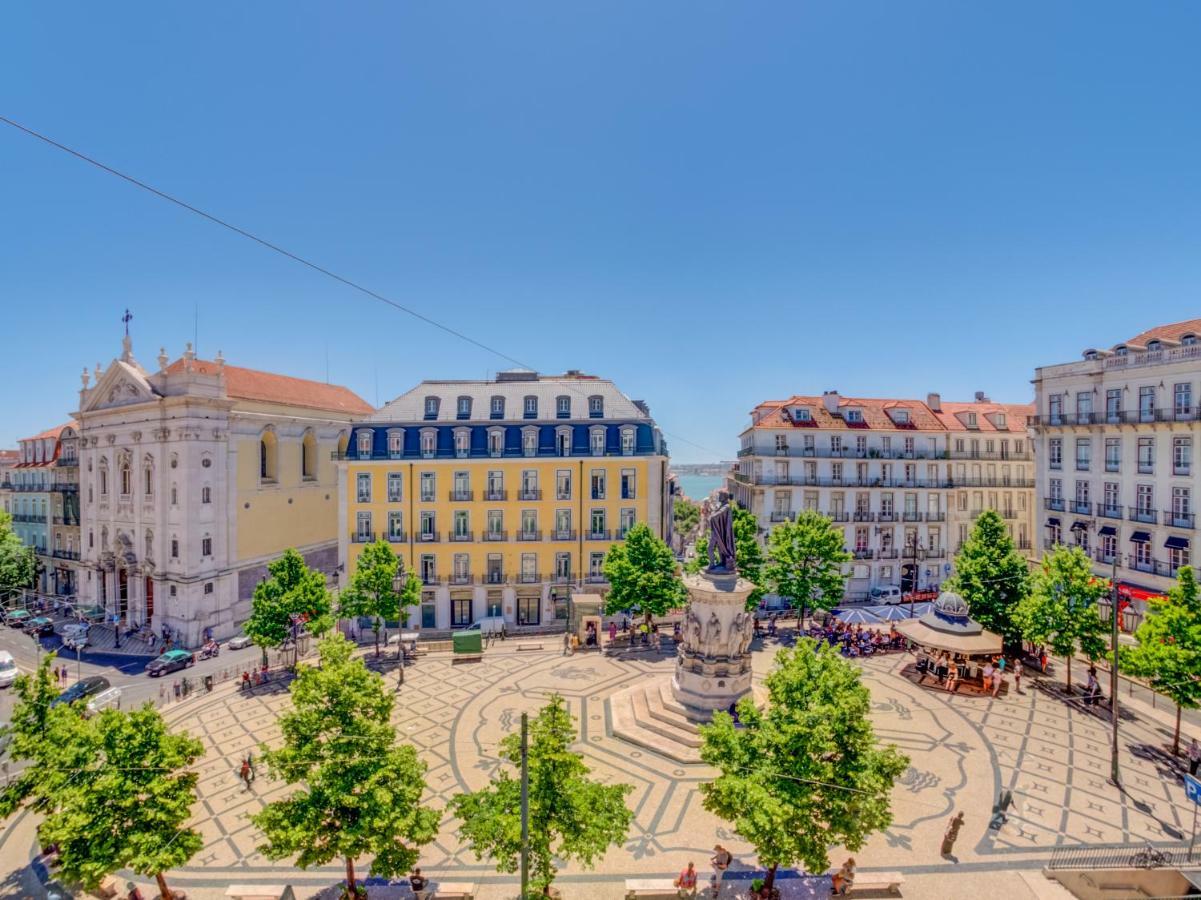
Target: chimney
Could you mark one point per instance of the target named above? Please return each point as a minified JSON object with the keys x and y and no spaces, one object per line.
{"x":934,"y":401}
{"x":981,"y":397}
{"x":830,"y":401}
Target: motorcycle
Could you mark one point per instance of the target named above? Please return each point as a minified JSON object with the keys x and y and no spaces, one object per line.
{"x":210,"y":649}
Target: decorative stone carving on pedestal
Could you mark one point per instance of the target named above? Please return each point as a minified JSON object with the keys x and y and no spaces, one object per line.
{"x":713,"y":663}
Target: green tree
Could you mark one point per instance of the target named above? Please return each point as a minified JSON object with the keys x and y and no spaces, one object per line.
{"x":571,"y":817}
{"x":372,"y":590}
{"x":291,"y":589}
{"x":642,"y":572}
{"x":686,"y":515}
{"x":1060,"y":611}
{"x":359,"y":789}
{"x":18,"y":563}
{"x":804,"y":561}
{"x":991,"y":576}
{"x":806,"y":773}
{"x":748,"y":553}
{"x":1168,"y":654}
{"x":29,"y":729}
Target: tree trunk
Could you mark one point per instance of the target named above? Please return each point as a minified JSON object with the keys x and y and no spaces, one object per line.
{"x":770,"y":881}
{"x":376,"y":630}
{"x":164,"y":891}
{"x":1068,"y":661}
{"x":350,"y":883}
{"x":1176,"y":735}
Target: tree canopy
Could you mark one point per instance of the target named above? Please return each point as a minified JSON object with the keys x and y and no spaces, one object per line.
{"x":806,"y":773}
{"x":804,"y":561}
{"x":991,"y":576}
{"x":18,"y":562}
{"x":372,"y":591}
{"x":1168,"y":654}
{"x":30,"y":731}
{"x":358,"y":789}
{"x":571,"y":817}
{"x":642,"y":572}
{"x":291,"y":589}
{"x":1060,"y":611}
{"x":686,"y":515}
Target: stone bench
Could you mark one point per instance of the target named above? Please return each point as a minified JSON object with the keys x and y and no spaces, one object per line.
{"x":462,"y":890}
{"x":258,"y":891}
{"x":521,"y":648}
{"x":637,"y":888}
{"x":868,"y":882}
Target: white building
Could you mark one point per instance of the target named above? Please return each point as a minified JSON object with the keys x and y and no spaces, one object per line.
{"x":1116,"y":434}
{"x":193,"y":478}
{"x":904,"y":478}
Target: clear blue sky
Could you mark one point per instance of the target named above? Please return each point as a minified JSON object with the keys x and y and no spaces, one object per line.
{"x":712,"y":203}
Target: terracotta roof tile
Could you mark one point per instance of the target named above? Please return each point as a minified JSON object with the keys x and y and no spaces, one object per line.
{"x":1015,"y":416}
{"x":1172,"y":333}
{"x":251,"y":384}
{"x":878,"y":415}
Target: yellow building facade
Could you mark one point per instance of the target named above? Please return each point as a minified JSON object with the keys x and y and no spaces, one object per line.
{"x":502,"y":496}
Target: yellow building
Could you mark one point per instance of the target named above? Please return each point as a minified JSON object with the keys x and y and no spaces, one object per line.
{"x":501,"y":495}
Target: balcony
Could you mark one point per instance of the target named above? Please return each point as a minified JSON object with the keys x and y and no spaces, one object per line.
{"x":563,"y":534}
{"x":496,"y":576}
{"x":30,"y":519}
{"x":839,"y":516}
{"x":460,"y":578}
{"x":1054,"y":503}
{"x":936,"y":517}
{"x":462,"y":496}
{"x":863,"y":515}
{"x":529,"y":494}
{"x":561,"y":578}
{"x":462,"y":537}
{"x":862,"y":553}
{"x":910,"y":515}
{"x":1179,"y":520}
{"x":1101,"y":556}
{"x":64,"y":487}
{"x":596,"y":579}
{"x":397,"y":537}
{"x":1141,"y":514}
{"x":65,"y":554}
{"x":889,"y":553}
{"x":529,"y":578}
{"x":1081,"y":507}
{"x":427,"y":497}
{"x":67,"y":462}
{"x":533,"y":535}
{"x":888,"y":516}
{"x":67,"y":521}
{"x":1109,"y":511}
{"x":362,"y":497}
{"x":595,"y":535}
{"x":394,"y":497}
{"x":495,"y":535}
{"x":427,"y":537}
{"x":498,"y":496}
{"x":362,"y":537}
{"x":782,"y":515}
{"x":936,"y":553}
{"x":1142,"y":565}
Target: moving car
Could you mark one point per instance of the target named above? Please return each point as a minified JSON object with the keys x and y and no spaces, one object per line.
{"x":16,"y":618}
{"x":81,"y":690}
{"x":239,"y":641}
{"x":110,"y":699}
{"x":888,"y":594}
{"x":39,"y":625}
{"x":75,"y":635}
{"x":171,"y":661}
{"x":8,"y":669}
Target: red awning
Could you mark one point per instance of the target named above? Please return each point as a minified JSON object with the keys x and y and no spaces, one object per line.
{"x":1131,"y":592}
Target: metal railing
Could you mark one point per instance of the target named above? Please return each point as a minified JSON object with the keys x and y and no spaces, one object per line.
{"x":782,"y":515}
{"x":1054,"y":503}
{"x":529,"y":578}
{"x":462,"y":537}
{"x":397,"y":537}
{"x":1109,"y":511}
{"x":1141,"y":514}
{"x":1081,"y":507}
{"x":362,"y":537}
{"x":529,"y":494}
{"x":1179,"y":520}
{"x":461,"y":496}
{"x":491,"y":535}
{"x":427,"y":537}
{"x":563,"y":535}
{"x":594,"y":535}
{"x":529,"y":535}
{"x":499,"y":495}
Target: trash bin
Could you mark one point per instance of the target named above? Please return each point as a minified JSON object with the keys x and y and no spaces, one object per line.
{"x":208,"y":684}
{"x":469,"y":641}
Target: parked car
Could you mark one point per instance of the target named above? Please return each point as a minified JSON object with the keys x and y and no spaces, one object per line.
{"x":40,"y":625}
{"x":75,"y":635}
{"x":889,"y":595}
{"x":8,"y":668}
{"x":16,"y":618}
{"x":239,"y":642}
{"x":82,"y":689}
{"x":171,"y":661}
{"x":110,"y":699}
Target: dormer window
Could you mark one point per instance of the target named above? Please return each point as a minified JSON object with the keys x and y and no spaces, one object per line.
{"x":900,"y":416}
{"x":396,"y":444}
{"x":563,"y":440}
{"x":597,"y":438}
{"x":1090,"y":354}
{"x":1000,"y":420}
{"x":627,"y":441}
{"x":801,"y":414}
{"x":431,"y":407}
{"x":563,"y":407}
{"x":462,"y":442}
{"x":429,"y":443}
{"x":1188,"y":340}
{"x":854,"y":415}
{"x":596,"y":407}
{"x":497,"y":409}
{"x":496,"y":442}
{"x":463,"y":408}
{"x":529,"y":407}
{"x":1122,"y":350}
{"x":364,"y":439}
{"x":971,"y":420}
{"x":529,"y":442}
{"x":1154,"y":345}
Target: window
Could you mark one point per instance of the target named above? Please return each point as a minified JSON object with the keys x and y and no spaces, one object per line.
{"x":1113,"y":404}
{"x":363,"y":487}
{"x":856,"y":415}
{"x":496,"y":568}
{"x":267,"y":455}
{"x":1145,"y":498}
{"x":529,"y":524}
{"x":1055,"y":487}
{"x":1112,"y":505}
{"x":1084,"y":452}
{"x":126,"y":479}
{"x":1182,"y":402}
{"x":1146,"y":403}
{"x":461,"y":573}
{"x":496,"y":522}
{"x":395,"y":487}
{"x":598,"y":484}
{"x":103,"y":479}
{"x":1055,"y":409}
{"x":428,"y":485}
{"x":308,"y":456}
{"x":1177,"y":557}
{"x":529,"y":407}
{"x":496,"y":442}
{"x":495,"y":485}
{"x":462,"y":443}
{"x":1113,"y":454}
{"x":429,"y":570}
{"x":801,"y":414}
{"x":431,"y":407}
{"x":396,"y":528}
{"x":1146,"y":455}
{"x":563,"y":523}
{"x":1182,"y":455}
{"x":629,"y":484}
{"x":562,"y":566}
{"x":497,"y":407}
{"x":1082,"y":500}
{"x":463,"y":408}
{"x":429,"y":526}
{"x":364,"y":444}
{"x":597,"y":523}
{"x":1084,"y":407}
{"x":596,"y":566}
{"x":206,"y":546}
{"x":1182,"y":503}
{"x":462,"y":525}
{"x":598,"y":442}
{"x":1055,"y":453}
{"x":596,"y":407}
{"x":429,"y":444}
{"x":174,"y":547}
{"x":1188,"y":340}
{"x":900,"y":416}
{"x":461,"y":486}
{"x":563,"y":441}
{"x":563,"y":407}
{"x":627,"y":442}
{"x":529,"y":443}
{"x":626,"y":523}
{"x":363,"y":532}
{"x":563,"y":484}
{"x":396,"y":445}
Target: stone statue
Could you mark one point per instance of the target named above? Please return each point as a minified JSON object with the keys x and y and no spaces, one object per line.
{"x":693,"y":643}
{"x":713,"y":637}
{"x":734,"y":639}
{"x":721,"y":539}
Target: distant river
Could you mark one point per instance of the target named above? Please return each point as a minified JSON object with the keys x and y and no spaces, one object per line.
{"x":698,"y":487}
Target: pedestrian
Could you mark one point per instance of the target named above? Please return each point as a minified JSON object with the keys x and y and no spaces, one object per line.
{"x":1194,"y":757}
{"x":162,"y":694}
{"x":250,"y":766}
{"x":1042,"y":659}
{"x":1092,"y":690}
{"x":986,"y":675}
{"x":612,"y":631}
{"x":1017,"y":675}
{"x":175,"y":687}
{"x":844,"y":877}
{"x":134,"y":893}
{"x":244,"y":774}
{"x":246,"y":686}
{"x":951,"y":834}
{"x":686,"y":882}
{"x":997,"y":679}
{"x":720,"y":861}
{"x":567,"y":642}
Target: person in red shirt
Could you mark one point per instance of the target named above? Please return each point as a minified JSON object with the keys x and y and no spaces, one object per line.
{"x":686,"y":883}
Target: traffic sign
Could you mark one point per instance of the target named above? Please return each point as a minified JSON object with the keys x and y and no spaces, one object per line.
{"x":1192,"y":789}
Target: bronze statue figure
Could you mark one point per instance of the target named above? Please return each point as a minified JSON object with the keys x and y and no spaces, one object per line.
{"x":721,"y":539}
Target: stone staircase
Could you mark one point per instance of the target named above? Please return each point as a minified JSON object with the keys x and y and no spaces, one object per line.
{"x":648,"y":716}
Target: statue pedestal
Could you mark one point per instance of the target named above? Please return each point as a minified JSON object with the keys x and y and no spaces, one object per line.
{"x":713,"y":664}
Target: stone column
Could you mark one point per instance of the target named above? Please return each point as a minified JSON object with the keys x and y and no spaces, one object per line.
{"x":713,"y":663}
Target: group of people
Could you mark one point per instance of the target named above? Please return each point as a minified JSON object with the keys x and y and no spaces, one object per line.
{"x":855,"y":639}
{"x":950,"y":669}
{"x":261,"y":676}
{"x":687,"y":883}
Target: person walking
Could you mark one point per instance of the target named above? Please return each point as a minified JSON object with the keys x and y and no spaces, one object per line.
{"x":250,"y":765}
{"x":720,"y":860}
{"x":951,"y":835}
{"x":612,"y":631}
{"x":1194,"y":757}
{"x":986,"y":676}
{"x":1017,"y":675}
{"x":175,"y":687}
{"x":998,"y":679}
{"x":567,"y":642}
{"x":244,"y":774}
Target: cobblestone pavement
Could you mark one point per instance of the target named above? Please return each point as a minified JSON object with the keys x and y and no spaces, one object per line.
{"x":963,"y":752}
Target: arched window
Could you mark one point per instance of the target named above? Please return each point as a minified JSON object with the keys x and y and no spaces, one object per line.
{"x":268,"y":457}
{"x":308,"y":456}
{"x":103,"y":476}
{"x":174,"y":495}
{"x":148,"y":477}
{"x":126,"y":478}
{"x":206,"y":494}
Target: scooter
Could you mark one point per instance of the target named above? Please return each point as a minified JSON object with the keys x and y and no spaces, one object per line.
{"x":210,"y":649}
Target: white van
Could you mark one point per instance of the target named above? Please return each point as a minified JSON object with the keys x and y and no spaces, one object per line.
{"x":110,"y":699}
{"x":8,"y":669}
{"x":888,"y":594}
{"x":492,"y":626}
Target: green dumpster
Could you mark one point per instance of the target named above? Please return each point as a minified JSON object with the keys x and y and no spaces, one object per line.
{"x":470,"y":640}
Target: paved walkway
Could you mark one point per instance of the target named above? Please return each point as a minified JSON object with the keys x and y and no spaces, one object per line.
{"x":963,"y":750}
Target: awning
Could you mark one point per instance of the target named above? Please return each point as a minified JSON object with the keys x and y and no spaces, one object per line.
{"x":983,"y":644}
{"x":1141,"y":537}
{"x":1176,"y":543}
{"x":1107,"y":530}
{"x":1052,"y":521}
{"x":1079,"y":526}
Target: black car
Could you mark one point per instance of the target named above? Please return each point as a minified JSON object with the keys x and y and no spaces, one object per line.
{"x":41,"y":626}
{"x":170,"y":661}
{"x":81,"y":690}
